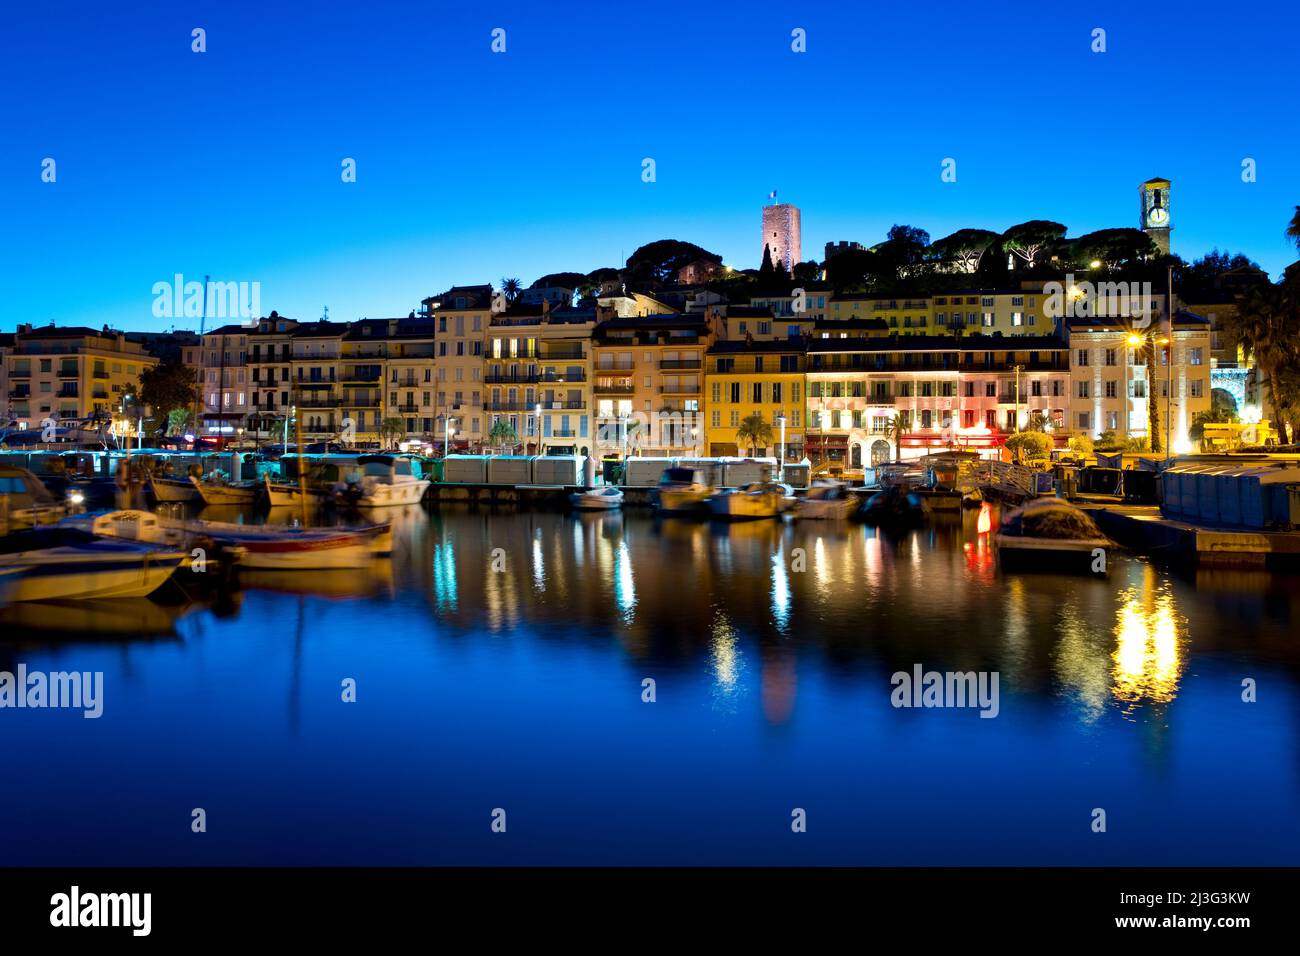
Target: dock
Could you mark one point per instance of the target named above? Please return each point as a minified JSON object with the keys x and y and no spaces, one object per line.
{"x":1143,"y":529}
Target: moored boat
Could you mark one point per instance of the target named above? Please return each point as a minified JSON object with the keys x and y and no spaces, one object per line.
{"x":281,"y":494}
{"x":894,"y":506}
{"x":173,"y":490}
{"x":385,"y":481}
{"x":608,"y":498}
{"x":1048,"y":534}
{"x":682,"y":491}
{"x":272,"y":548}
{"x":825,"y":501}
{"x":214,"y":492}
{"x":746,"y":503}
{"x":26,"y":501}
{"x":68,"y":564}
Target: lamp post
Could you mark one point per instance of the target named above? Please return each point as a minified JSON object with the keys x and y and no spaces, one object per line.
{"x":780,"y":420}
{"x":537,"y":410}
{"x":1017,"y":422}
{"x":448,"y":430}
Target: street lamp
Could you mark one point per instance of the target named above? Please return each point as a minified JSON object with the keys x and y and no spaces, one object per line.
{"x":538,"y":411}
{"x":780,"y":420}
{"x":447,"y":432}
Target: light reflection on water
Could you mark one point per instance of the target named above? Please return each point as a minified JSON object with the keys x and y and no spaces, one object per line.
{"x":503,"y":652}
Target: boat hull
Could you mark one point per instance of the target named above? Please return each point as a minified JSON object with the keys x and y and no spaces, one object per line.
{"x":99,"y":570}
{"x":824,"y":509}
{"x":225,"y":494}
{"x":743,"y":507}
{"x":582,"y":501}
{"x":395,"y":495}
{"x":169,"y":490}
{"x":682,"y":501}
{"x":1053,"y":555}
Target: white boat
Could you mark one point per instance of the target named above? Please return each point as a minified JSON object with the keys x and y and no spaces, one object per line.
{"x":683,"y":491}
{"x":385,"y":481}
{"x":77,"y":566}
{"x":746,"y":503}
{"x":607,"y":498}
{"x":825,"y":501}
{"x":225,"y":493}
{"x":173,"y":489}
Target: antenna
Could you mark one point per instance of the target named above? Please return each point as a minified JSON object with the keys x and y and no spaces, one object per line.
{"x":204,"y":321}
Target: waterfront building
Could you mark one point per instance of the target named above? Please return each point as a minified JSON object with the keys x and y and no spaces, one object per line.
{"x":1109,"y":387}
{"x":781,"y":234}
{"x":270,"y":370}
{"x":755,"y":377}
{"x":946,"y":391}
{"x":410,"y":389}
{"x":738,"y":322}
{"x":650,"y":369}
{"x":991,"y":311}
{"x":538,"y":376}
{"x":626,"y":305}
{"x":907,"y":315}
{"x":462,"y":316}
{"x":810,"y":306}
{"x":72,"y":375}
{"x":315,"y":349}
{"x":224,"y":387}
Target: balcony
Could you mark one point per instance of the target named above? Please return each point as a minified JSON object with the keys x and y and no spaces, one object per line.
{"x":555,"y":353}
{"x":318,"y":402}
{"x":360,"y":374}
{"x":408,"y":409}
{"x":68,"y":373}
{"x":68,"y":391}
{"x":496,"y":378}
{"x":682,"y":389}
{"x":616,"y":367}
{"x":612,"y":389}
{"x":409,"y":383}
{"x":680,"y":364}
{"x":100,"y":373}
{"x":20,"y":373}
{"x":360,"y":401}
{"x":23,"y":393}
{"x":314,"y":383}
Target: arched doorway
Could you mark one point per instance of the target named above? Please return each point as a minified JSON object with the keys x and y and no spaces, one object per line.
{"x":880,"y":452}
{"x":855,"y":456}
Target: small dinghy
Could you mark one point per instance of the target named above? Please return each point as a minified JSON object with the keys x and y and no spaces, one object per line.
{"x":1048,"y":534}
{"x":607,"y":498}
{"x":280,"y":548}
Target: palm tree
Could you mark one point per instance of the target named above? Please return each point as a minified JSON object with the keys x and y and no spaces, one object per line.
{"x":1293,"y":228}
{"x":753,"y":431}
{"x":896,"y":428}
{"x":1265,"y":326}
{"x":502,"y":434}
{"x":512,"y":288}
{"x":392,"y":430}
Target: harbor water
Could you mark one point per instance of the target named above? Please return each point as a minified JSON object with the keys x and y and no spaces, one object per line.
{"x":621,"y":690}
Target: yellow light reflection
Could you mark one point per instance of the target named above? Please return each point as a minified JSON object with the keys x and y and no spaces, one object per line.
{"x":1147,"y":656}
{"x":726,"y":664}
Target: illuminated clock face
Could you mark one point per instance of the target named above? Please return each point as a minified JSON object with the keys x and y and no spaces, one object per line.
{"x":1157,"y":216}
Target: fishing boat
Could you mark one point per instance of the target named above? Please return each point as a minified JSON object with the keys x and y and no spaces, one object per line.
{"x":281,"y":494}
{"x":173,"y":490}
{"x":825,"y":501}
{"x":385,"y":481}
{"x":68,"y":564}
{"x":607,"y":498}
{"x":280,"y":548}
{"x":747,"y":503}
{"x":214,"y":491}
{"x":1048,"y":534}
{"x":682,"y":491}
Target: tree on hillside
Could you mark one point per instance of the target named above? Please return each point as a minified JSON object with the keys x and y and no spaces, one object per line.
{"x":563,"y":280}
{"x":964,"y":248}
{"x":1267,"y":326}
{"x":854,"y":270}
{"x":1028,"y":240}
{"x":1293,"y":228}
{"x":903,"y":251}
{"x":659,"y":261}
{"x":1114,"y":248}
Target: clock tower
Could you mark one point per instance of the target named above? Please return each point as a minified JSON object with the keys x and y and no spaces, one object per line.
{"x":1155,"y":212}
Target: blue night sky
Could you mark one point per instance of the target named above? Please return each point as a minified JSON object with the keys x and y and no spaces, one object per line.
{"x":471,"y":165}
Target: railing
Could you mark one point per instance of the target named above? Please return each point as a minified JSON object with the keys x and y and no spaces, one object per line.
{"x":1002,"y":474}
{"x":21,"y":393}
{"x":100,"y":373}
{"x":679,"y":389}
{"x":613,"y":389}
{"x":66,"y":392}
{"x":616,"y":367}
{"x":313,"y":383}
{"x":553,"y":353}
{"x":360,"y":375}
{"x":408,"y":408}
{"x":68,"y":373}
{"x":20,"y":373}
{"x":680,"y":363}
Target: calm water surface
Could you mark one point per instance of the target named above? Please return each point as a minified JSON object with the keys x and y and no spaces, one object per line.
{"x":521,"y":689}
